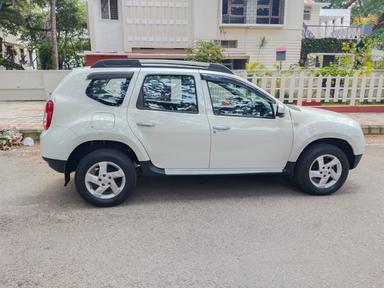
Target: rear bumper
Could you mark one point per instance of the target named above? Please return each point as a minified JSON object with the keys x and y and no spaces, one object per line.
{"x":57,"y":165}
{"x":356,"y":161}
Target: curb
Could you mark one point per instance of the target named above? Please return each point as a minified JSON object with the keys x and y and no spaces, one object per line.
{"x":373,"y":129}
{"x":33,"y":133}
{"x":367,"y":130}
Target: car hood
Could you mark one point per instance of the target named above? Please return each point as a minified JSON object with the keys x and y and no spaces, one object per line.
{"x":317,"y":114}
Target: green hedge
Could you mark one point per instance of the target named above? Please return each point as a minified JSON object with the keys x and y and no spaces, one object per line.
{"x":322,"y":45}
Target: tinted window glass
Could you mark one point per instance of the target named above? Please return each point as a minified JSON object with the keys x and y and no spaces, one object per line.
{"x":232,"y":99}
{"x":114,"y":11}
{"x":104,"y":9}
{"x":169,"y":93}
{"x":108,"y":91}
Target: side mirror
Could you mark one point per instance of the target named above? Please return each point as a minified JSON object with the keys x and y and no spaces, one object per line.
{"x":280,"y":110}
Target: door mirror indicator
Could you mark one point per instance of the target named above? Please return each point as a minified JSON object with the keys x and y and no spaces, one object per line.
{"x":280,"y":110}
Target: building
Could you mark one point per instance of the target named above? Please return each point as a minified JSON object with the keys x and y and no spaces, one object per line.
{"x":12,"y":51}
{"x":323,"y":22}
{"x":249,"y":30}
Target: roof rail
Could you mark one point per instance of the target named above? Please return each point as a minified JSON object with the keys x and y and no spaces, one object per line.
{"x":131,"y":63}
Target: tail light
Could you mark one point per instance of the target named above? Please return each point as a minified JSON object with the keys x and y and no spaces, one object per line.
{"x":48,"y":113}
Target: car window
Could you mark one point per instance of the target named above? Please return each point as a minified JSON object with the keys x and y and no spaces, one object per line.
{"x":232,"y":99}
{"x":169,"y":93}
{"x":108,"y":91}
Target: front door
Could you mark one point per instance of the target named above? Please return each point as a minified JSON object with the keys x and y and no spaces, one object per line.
{"x":169,"y":119}
{"x":245,"y":133}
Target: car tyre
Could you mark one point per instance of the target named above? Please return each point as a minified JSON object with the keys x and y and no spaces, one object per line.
{"x":321,"y":169}
{"x":105,"y":177}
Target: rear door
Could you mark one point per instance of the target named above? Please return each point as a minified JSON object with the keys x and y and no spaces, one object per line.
{"x":168,"y":116}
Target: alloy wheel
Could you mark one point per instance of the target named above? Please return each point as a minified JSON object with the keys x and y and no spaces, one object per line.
{"x":105,"y":180}
{"x":325,"y":171}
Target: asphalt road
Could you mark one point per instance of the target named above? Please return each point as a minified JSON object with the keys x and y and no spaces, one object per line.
{"x":232,"y":231}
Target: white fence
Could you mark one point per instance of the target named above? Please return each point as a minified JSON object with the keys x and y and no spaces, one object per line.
{"x":295,"y":88}
{"x":303,"y":87}
{"x":29,"y":85}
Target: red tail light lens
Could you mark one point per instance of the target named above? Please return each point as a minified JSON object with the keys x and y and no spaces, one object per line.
{"x":48,"y":113}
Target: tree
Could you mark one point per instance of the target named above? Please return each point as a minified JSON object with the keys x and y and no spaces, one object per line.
{"x":55,"y":53}
{"x":70,"y":32}
{"x":11,"y":16}
{"x":205,"y":51}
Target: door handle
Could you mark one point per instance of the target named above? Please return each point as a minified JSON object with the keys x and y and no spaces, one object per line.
{"x":221,"y":128}
{"x":146,"y":124}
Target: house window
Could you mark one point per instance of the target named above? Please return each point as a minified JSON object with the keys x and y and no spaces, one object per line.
{"x":228,"y":44}
{"x":270,"y":12}
{"x":307,"y":13}
{"x":235,"y":64}
{"x":253,"y":11}
{"x":233,"y":11}
{"x":109,"y":9}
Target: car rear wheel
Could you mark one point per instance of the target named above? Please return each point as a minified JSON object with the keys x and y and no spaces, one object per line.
{"x":322,"y":169}
{"x":105,"y":177}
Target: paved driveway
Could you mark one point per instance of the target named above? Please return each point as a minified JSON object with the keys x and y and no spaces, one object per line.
{"x":232,"y":231}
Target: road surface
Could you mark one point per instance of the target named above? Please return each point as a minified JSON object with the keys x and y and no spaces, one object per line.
{"x":217,"y":231}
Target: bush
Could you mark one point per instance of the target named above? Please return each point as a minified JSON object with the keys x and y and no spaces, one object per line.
{"x":205,"y":51}
{"x":322,"y":45}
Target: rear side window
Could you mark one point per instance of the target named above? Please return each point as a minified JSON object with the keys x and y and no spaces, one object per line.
{"x":108,"y":90}
{"x":175,"y":93}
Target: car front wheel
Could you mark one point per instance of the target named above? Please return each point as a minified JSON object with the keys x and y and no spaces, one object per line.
{"x":105,"y":177}
{"x":322,"y":169}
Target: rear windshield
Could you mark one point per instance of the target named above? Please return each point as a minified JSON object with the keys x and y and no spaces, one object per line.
{"x":109,"y":91}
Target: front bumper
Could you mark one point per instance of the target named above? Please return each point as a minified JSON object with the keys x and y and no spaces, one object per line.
{"x":57,"y":165}
{"x":356,"y":161}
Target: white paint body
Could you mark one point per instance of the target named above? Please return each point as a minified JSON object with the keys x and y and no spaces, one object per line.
{"x":187,"y":144}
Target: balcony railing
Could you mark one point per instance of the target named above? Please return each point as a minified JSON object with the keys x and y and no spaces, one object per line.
{"x":339,"y":32}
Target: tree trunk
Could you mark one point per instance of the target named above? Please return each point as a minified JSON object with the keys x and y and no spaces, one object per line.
{"x":55,"y":54}
{"x":30,"y":54}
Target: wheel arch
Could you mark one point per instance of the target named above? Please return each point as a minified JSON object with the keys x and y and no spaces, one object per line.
{"x":87,"y":147}
{"x":338,"y":142}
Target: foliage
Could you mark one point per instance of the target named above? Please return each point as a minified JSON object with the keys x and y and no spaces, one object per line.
{"x":379,"y":64}
{"x":253,"y":68}
{"x":357,"y":60}
{"x":44,"y":50}
{"x":262,"y":43}
{"x":322,"y":45}
{"x":205,"y":51}
{"x":34,"y":30}
{"x":371,"y":19}
{"x":11,"y":16}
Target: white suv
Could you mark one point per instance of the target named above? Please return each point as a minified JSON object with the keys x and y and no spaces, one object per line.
{"x":122,"y":118}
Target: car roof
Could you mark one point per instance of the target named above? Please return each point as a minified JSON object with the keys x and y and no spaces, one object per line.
{"x":147,"y":63}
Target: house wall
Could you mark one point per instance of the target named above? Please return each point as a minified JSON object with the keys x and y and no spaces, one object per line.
{"x":287,"y":36}
{"x":327,"y":15}
{"x":314,"y":22}
{"x":178,"y":23}
{"x":315,"y":15}
{"x":106,"y":35}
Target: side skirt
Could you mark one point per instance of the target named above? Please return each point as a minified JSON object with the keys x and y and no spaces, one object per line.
{"x":149,"y":169}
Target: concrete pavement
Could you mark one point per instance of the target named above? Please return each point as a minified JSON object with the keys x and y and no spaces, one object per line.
{"x":27,"y":116}
{"x":218,"y":231}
